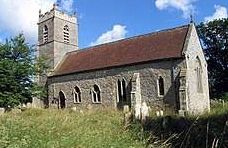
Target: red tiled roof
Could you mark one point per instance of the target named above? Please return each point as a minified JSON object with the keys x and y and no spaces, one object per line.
{"x":154,"y":46}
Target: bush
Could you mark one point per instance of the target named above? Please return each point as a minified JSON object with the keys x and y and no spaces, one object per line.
{"x":225,"y":96}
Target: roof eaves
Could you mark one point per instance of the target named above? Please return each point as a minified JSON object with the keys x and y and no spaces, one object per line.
{"x":115,"y":66}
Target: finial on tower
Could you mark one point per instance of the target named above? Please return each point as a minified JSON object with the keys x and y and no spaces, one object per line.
{"x":55,"y":5}
{"x":40,"y":12}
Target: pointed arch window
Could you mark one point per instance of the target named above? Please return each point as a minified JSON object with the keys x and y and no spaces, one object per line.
{"x":161,"y":87}
{"x":119,"y":87}
{"x":66,"y":34}
{"x":96,"y":94}
{"x":45,"y":34}
{"x":77,"y":95}
{"x":199,"y":75}
{"x":122,"y":91}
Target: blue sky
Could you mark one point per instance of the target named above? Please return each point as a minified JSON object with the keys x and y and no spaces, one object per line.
{"x":108,"y":20}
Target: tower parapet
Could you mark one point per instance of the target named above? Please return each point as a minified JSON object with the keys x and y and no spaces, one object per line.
{"x":55,"y":12}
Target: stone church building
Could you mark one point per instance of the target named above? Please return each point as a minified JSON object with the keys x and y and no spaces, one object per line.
{"x":164,"y":69}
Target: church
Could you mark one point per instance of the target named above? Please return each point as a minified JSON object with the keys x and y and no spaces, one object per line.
{"x":166,"y":70}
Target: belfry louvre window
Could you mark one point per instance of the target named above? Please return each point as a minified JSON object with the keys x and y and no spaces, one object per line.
{"x":161,"y":88}
{"x":66,"y":34}
{"x":96,"y":94}
{"x":77,"y":95}
{"x":45,"y":34}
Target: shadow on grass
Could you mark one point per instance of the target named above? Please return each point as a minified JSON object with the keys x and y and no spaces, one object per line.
{"x":206,"y":131}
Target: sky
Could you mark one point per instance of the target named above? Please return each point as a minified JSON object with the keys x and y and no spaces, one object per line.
{"x":102,"y":21}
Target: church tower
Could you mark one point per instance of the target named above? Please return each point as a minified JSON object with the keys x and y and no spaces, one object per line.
{"x":57,"y":35}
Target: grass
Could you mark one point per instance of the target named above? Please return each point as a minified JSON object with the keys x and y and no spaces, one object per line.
{"x":207,"y":130}
{"x":68,"y":129}
{"x":65,"y":129}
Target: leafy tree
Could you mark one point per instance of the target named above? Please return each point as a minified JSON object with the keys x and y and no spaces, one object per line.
{"x":214,"y":37}
{"x":17,"y":72}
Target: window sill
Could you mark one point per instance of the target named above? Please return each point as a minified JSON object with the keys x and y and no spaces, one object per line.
{"x":160,"y":96}
{"x":97,"y":102}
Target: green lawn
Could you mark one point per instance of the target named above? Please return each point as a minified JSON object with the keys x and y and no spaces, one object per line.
{"x":65,"y":129}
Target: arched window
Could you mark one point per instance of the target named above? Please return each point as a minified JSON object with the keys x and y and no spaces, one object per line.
{"x":77,"y":95}
{"x":161,"y":88}
{"x":45,"y":34}
{"x":62,"y":100}
{"x":96,"y":94}
{"x":122,"y":91}
{"x":66,"y":34}
{"x":119,"y":87}
{"x":199,"y":75}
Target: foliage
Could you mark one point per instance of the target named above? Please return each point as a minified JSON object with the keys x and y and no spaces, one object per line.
{"x":214,"y":36}
{"x":224,"y":96}
{"x":65,"y":129}
{"x":17,"y":71}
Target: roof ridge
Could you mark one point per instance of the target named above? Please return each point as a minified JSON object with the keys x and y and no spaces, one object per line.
{"x":126,"y":39}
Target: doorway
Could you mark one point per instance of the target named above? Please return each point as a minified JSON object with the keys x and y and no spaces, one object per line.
{"x":62,"y":100}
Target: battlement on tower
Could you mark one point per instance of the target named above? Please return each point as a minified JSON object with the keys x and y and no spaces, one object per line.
{"x":55,"y":12}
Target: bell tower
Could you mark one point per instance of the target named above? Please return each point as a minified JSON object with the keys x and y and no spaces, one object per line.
{"x":57,"y":35}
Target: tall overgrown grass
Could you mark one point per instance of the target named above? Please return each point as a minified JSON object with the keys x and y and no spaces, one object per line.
{"x":209,"y":130}
{"x":65,"y":128}
{"x":35,"y":128}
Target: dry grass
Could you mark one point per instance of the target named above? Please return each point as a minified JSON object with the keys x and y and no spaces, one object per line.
{"x":56,"y":128}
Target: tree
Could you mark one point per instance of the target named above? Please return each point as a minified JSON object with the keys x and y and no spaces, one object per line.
{"x":17,"y":72}
{"x":214,"y":37}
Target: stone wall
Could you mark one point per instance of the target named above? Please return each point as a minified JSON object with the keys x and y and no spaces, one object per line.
{"x":107,"y":82}
{"x":55,"y":48}
{"x":61,"y":48}
{"x":197,"y":101}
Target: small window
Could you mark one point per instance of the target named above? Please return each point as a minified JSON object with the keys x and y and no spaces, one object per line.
{"x":161,"y":88}
{"x":45,"y":34}
{"x":66,"y":34}
{"x":199,"y":75}
{"x":122,"y":91}
{"x":119,"y":87}
{"x":96,"y":94}
{"x":77,"y":95}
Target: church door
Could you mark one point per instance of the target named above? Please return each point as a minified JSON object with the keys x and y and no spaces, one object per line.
{"x":62,"y":100}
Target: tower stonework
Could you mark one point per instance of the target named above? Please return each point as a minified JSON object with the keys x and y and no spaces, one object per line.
{"x":57,"y":35}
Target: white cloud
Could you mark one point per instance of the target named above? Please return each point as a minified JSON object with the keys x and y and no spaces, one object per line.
{"x":220,"y":12}
{"x":21,"y":16}
{"x":118,"y":32}
{"x":186,"y":6}
{"x":66,"y":5}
